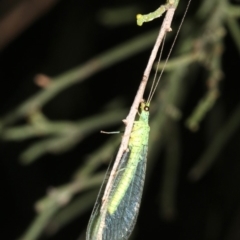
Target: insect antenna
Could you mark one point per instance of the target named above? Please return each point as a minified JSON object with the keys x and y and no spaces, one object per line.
{"x":154,"y":85}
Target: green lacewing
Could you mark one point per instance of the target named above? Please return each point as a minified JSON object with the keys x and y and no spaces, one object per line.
{"x":114,"y":218}
{"x":117,"y":206}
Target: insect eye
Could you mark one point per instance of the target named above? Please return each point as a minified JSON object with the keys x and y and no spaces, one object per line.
{"x":146,"y":108}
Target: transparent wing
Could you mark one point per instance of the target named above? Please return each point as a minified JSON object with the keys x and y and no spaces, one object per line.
{"x":93,"y":225}
{"x":120,"y":224}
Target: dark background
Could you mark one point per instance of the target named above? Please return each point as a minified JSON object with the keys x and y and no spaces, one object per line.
{"x":68,"y":34}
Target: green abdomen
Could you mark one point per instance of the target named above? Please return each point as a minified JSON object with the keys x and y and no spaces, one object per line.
{"x":137,"y":152}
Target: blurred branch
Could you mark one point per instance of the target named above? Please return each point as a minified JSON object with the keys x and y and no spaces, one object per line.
{"x":171,"y":171}
{"x":57,"y":198}
{"x":78,"y":74}
{"x":49,"y":128}
{"x":60,"y":198}
{"x":205,"y":9}
{"x":62,"y":195}
{"x":233,"y":11}
{"x":212,"y":46}
{"x":175,"y":62}
{"x":39,"y":223}
{"x":21,"y":17}
{"x":74,"y":209}
{"x":217,"y":144}
{"x":101,"y":155}
{"x":234,"y":29}
{"x":6,"y":6}
{"x":204,"y":105}
{"x":207,"y":102}
{"x":170,"y":96}
{"x":174,"y":95}
{"x":61,"y":135}
{"x":205,"y":46}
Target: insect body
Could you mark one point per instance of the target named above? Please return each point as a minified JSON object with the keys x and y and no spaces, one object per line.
{"x":114,"y":216}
